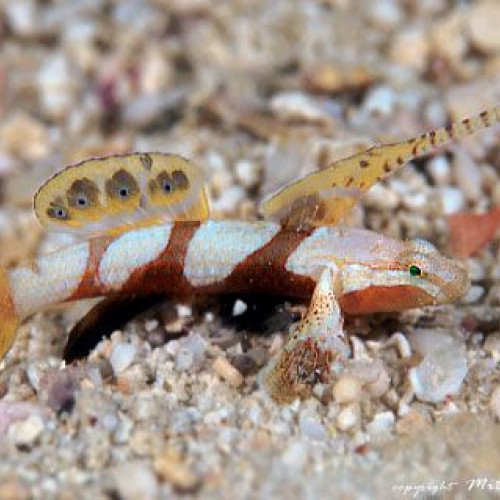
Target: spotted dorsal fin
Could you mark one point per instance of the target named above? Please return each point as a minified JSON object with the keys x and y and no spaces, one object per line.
{"x":110,"y":194}
{"x":324,"y":197}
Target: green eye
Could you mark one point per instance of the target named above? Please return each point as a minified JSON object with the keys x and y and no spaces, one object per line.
{"x":415,"y":270}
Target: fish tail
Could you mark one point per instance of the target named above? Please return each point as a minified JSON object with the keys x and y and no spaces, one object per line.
{"x":9,"y":319}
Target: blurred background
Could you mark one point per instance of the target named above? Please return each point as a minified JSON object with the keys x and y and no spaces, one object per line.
{"x":256,"y":92}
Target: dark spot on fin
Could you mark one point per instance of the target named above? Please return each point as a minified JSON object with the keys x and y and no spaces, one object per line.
{"x":304,"y":210}
{"x":122,"y":185}
{"x":432,"y":136}
{"x":147,"y":161}
{"x":485,"y":118}
{"x":180,"y":179}
{"x":82,"y":194}
{"x":57,"y":210}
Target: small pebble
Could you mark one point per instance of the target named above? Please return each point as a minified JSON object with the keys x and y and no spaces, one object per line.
{"x":245,"y":364}
{"x":247,"y":173}
{"x":348,"y":418}
{"x":145,"y":408}
{"x":495,"y":403}
{"x":382,"y":422}
{"x":447,"y":37}
{"x":411,"y":422}
{"x":410,"y":48}
{"x":25,"y":433}
{"x":483,"y":25}
{"x":380,"y":196}
{"x":311,"y":428}
{"x":143,"y":441}
{"x":24,"y":136}
{"x":151,"y":324}
{"x":439,"y":169}
{"x":228,"y":372}
{"x":61,"y":392}
{"x":492,"y":344}
{"x":22,"y":17}
{"x":135,"y":480}
{"x":473,"y":294}
{"x":468,"y":174}
{"x":15,"y":411}
{"x":298,"y":106}
{"x":401,"y":343}
{"x":452,"y":199}
{"x":380,"y":384}
{"x":122,"y":357}
{"x":239,"y":308}
{"x":98,"y":448}
{"x":230,"y":199}
{"x":170,"y":467}
{"x":147,"y":108}
{"x":259,"y":355}
{"x":190,"y":352}
{"x":380,"y":101}
{"x":295,"y":456}
{"x":416,"y":201}
{"x":347,"y":390}
{"x":56,"y":86}
{"x":386,"y":14}
{"x":184,"y":311}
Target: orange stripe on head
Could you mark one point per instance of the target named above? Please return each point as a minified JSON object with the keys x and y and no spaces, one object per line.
{"x":384,"y":299}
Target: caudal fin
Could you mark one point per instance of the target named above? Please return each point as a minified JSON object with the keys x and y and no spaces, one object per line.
{"x":9,"y":319}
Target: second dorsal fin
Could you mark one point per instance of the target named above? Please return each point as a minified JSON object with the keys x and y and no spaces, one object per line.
{"x":324,"y":197}
{"x":110,"y":194}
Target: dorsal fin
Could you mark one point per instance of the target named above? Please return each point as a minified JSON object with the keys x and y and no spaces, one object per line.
{"x":107,"y":195}
{"x":324,"y":197}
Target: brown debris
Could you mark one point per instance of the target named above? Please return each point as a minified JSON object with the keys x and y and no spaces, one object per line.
{"x":470,"y":233}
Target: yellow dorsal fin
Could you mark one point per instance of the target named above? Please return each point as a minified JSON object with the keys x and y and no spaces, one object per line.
{"x":324,"y":197}
{"x":110,"y":194}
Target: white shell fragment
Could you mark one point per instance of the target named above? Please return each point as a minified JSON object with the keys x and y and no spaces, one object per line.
{"x":382,"y":423}
{"x":443,"y":368}
{"x":298,"y":106}
{"x":121,"y":357}
{"x":348,"y":417}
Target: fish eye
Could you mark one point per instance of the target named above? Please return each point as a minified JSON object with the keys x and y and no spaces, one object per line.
{"x":123,"y":192}
{"x":82,"y":202}
{"x":415,"y":270}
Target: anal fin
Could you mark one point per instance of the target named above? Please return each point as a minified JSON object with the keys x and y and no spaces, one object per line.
{"x":105,"y":317}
